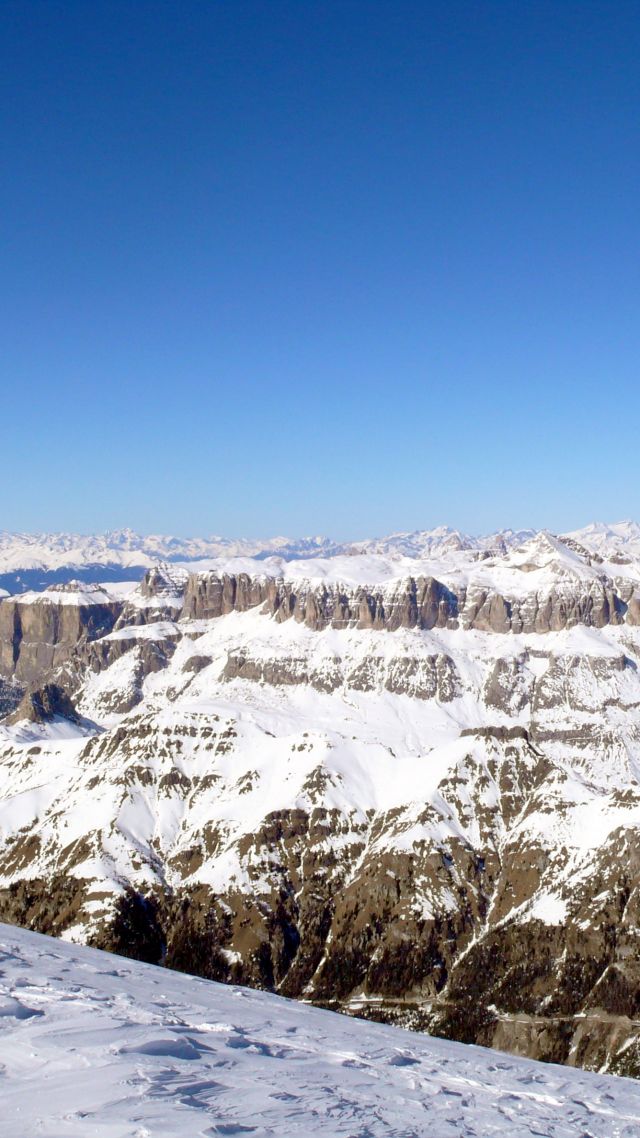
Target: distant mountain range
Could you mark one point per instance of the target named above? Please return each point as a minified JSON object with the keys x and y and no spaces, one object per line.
{"x":36,"y":561}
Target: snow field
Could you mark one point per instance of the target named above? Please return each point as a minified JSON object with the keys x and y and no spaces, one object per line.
{"x":97,"y":1045}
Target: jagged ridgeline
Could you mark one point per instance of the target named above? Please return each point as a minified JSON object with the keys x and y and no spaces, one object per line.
{"x":400,"y":781}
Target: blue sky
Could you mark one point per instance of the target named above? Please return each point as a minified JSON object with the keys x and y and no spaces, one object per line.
{"x":309,"y":267}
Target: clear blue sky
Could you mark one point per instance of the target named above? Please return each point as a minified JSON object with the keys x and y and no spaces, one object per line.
{"x":319,"y":266}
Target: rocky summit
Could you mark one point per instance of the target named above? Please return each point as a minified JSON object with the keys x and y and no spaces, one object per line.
{"x":398,"y":778}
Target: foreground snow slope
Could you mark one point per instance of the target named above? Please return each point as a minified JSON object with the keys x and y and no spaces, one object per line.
{"x":93,"y":1044}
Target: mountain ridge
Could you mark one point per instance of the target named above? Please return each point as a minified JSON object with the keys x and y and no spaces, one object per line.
{"x":35,"y":561}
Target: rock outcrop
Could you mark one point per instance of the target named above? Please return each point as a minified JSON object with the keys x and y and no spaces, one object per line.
{"x":41,"y":632}
{"x":44,"y":705}
{"x":424,"y":603}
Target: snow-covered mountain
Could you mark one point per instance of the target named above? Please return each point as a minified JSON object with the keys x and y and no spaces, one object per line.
{"x":619,"y":541}
{"x":440,"y":542}
{"x":33,"y":561}
{"x":93,"y":1045}
{"x":404,"y":786}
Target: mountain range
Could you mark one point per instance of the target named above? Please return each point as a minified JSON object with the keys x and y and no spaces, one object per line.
{"x":398,"y":778}
{"x":34,"y":561}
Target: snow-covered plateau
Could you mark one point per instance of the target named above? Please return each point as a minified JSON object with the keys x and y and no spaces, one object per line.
{"x":400,"y":779}
{"x":95,"y":1045}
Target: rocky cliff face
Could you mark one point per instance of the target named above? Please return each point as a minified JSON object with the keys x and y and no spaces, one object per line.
{"x":416,"y":799}
{"x":548,"y":587}
{"x":422,"y":602}
{"x":40,"y":632}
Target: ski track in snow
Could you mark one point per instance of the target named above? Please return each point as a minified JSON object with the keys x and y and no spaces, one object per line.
{"x":97,"y":1045}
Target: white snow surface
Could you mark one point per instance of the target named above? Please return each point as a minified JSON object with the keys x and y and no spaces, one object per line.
{"x":623,"y":538}
{"x":73,"y":593}
{"x":98,"y":1045}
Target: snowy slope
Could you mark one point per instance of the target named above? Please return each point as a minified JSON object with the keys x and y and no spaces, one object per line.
{"x":618,"y":539}
{"x":380,"y":756}
{"x":92,"y":1044}
{"x":440,"y":542}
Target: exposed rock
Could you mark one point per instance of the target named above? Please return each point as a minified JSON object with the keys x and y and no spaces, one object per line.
{"x":39,"y":635}
{"x":509,"y":686}
{"x":159,"y":597}
{"x":196,"y":664}
{"x":43,"y":705}
{"x":633,"y":609}
{"x":414,"y":603}
{"x":425,"y":677}
{"x":154,"y":644}
{"x":10,"y":695}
